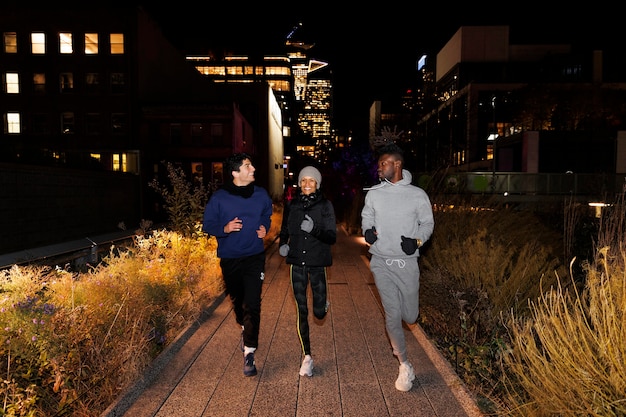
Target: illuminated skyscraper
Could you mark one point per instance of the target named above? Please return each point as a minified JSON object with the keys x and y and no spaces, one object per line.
{"x":312,"y":94}
{"x":302,"y":87}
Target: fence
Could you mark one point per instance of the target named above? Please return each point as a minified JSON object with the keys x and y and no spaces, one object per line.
{"x":590,"y":187}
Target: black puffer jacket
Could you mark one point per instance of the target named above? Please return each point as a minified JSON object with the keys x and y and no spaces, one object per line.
{"x":309,"y":249}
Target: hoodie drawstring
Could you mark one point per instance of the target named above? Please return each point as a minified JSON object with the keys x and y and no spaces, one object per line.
{"x":401,"y":262}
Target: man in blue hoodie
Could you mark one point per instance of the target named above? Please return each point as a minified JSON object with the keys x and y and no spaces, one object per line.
{"x":239,"y":216}
{"x":397,"y":219}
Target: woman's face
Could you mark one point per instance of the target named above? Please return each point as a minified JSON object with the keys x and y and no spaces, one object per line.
{"x":308,"y":185}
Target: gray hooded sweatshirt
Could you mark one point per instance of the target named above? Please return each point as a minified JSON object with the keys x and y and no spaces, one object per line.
{"x":396,"y":210}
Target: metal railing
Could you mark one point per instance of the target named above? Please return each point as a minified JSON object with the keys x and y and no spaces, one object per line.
{"x":511,"y":184}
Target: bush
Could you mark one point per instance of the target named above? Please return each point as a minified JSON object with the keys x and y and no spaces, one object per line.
{"x":71,"y":342}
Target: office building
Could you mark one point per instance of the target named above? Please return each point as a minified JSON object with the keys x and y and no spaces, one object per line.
{"x":101,"y":92}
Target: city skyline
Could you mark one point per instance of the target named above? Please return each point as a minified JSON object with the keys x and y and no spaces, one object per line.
{"x":372,"y":54}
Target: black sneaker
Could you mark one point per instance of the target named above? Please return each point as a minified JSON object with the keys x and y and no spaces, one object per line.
{"x":249,"y":366}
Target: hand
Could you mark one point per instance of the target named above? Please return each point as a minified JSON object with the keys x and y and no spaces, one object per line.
{"x":409,"y":245}
{"x":261,"y":232}
{"x":307,"y":224}
{"x":371,"y":235}
{"x":235,"y":225}
{"x":283,"y":250}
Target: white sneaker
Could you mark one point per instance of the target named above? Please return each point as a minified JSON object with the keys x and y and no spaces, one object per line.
{"x":307,"y":366}
{"x":405,"y":377}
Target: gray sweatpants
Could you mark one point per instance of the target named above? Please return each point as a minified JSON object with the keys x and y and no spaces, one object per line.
{"x":398,"y":283}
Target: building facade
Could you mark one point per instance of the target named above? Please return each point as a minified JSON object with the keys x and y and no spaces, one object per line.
{"x":103,"y":90}
{"x":489,"y":93}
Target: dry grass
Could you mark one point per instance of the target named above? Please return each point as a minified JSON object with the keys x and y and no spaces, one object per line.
{"x":529,"y":335}
{"x":71,"y":342}
{"x":483,"y":264}
{"x":569,"y":357}
{"x":503,"y":253}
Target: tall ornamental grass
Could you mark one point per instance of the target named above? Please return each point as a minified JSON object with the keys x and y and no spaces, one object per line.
{"x":500,"y":252}
{"x":484,"y":261}
{"x":70,"y":342}
{"x":569,"y":357}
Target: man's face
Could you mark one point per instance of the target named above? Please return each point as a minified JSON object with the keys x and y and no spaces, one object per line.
{"x":386,"y":166}
{"x":308,"y":185}
{"x":245,"y":175}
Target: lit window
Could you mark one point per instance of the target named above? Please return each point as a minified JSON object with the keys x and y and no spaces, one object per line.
{"x":91,"y":43}
{"x":218,"y":70}
{"x":12,"y":123}
{"x":12,"y":83}
{"x":65,"y":43}
{"x":67,"y":122}
{"x":196,"y":172}
{"x":124,"y":162}
{"x":117,"y":43}
{"x":39,"y":82}
{"x":234,"y":71}
{"x":67,"y":82}
{"x":217,"y":172}
{"x":120,"y":161}
{"x":38,"y":42}
{"x":10,"y":42}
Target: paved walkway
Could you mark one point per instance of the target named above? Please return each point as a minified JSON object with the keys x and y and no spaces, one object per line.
{"x":200,"y":374}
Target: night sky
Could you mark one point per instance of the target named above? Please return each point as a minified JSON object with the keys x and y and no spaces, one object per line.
{"x":373,"y":49}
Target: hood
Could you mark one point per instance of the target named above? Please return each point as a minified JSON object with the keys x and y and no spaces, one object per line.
{"x":407,"y":178}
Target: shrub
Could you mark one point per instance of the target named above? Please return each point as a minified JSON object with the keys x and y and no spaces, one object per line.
{"x":184,"y":202}
{"x":70,"y":342}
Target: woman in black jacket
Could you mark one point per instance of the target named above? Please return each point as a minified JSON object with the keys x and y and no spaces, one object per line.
{"x":307,"y":232}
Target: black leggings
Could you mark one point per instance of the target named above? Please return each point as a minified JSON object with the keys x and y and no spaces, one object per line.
{"x":300,"y":277}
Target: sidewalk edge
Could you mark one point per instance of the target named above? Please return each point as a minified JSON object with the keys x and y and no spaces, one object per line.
{"x":457,"y":386}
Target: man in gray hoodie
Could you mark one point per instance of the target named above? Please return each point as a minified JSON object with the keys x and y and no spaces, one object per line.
{"x":397,"y":219}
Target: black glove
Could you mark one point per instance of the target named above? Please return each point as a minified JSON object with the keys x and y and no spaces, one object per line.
{"x":409,"y":245}
{"x":370,"y":235}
